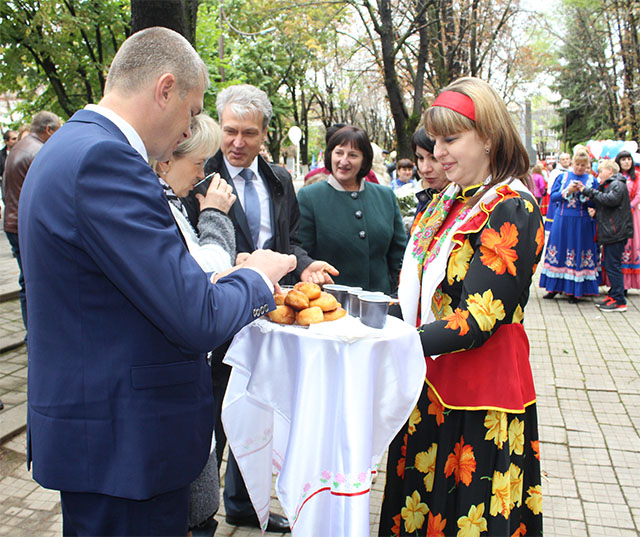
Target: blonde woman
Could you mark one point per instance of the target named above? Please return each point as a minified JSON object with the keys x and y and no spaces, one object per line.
{"x":213,"y":247}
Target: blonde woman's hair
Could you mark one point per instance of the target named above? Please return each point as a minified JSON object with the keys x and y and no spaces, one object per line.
{"x":205,"y":137}
{"x":581,"y":156}
{"x":610,"y":165}
{"x":378,"y":166}
{"x":507,"y":156}
{"x":537,"y":169}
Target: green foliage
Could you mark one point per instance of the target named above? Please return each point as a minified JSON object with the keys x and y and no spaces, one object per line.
{"x":55,"y":54}
{"x":584,"y":76}
{"x":271,"y":45}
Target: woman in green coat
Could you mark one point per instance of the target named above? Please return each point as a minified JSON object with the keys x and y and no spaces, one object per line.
{"x":354,"y":225}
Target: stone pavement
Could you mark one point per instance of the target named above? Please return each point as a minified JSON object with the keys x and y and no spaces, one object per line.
{"x":587,"y":370}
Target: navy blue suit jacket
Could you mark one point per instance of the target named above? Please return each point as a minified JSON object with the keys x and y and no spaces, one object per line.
{"x":120,"y":314}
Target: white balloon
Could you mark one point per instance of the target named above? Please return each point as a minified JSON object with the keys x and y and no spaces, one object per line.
{"x":295,"y":134}
{"x":631,"y":146}
{"x":596,"y":148}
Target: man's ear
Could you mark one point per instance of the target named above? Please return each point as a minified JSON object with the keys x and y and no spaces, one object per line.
{"x":165,"y":89}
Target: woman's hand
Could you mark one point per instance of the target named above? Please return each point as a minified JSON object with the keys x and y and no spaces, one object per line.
{"x":219,"y":195}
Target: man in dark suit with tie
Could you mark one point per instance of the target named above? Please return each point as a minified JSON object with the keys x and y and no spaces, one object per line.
{"x":120,"y":412}
{"x":265,"y":215}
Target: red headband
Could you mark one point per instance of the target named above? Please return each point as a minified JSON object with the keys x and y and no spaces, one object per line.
{"x":457,"y":102}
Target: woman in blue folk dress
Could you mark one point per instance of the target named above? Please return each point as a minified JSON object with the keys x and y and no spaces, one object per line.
{"x":571,"y":258}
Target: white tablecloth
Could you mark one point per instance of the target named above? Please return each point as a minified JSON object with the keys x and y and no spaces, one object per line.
{"x":319,"y":410}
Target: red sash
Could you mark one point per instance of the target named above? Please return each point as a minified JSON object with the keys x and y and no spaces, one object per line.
{"x":495,"y":376}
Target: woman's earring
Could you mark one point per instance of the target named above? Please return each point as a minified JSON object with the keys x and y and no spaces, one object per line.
{"x":487,"y":150}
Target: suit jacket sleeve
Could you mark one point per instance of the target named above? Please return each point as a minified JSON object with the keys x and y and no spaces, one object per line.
{"x":129,"y":232}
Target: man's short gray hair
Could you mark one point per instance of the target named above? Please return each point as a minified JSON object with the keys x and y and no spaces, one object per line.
{"x":245,"y":100}
{"x":148,"y":54}
{"x":42,"y":120}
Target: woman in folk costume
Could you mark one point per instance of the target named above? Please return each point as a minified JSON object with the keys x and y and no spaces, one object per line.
{"x":571,"y":258}
{"x":467,"y":462}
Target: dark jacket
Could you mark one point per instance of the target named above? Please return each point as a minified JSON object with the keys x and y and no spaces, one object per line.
{"x":359,"y":233}
{"x":285,"y":215}
{"x":613,"y":210}
{"x":285,"y":218}
{"x":15,"y":170}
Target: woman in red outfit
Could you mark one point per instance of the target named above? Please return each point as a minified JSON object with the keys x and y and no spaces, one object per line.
{"x":467,"y":462}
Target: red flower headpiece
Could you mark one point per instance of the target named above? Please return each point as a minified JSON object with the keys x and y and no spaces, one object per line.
{"x":457,"y":102}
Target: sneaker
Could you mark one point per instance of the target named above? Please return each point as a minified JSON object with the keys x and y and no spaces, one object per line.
{"x":613,"y":306}
{"x":605,"y":301}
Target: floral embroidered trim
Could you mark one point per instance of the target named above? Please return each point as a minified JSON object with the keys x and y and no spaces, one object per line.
{"x":338,"y":483}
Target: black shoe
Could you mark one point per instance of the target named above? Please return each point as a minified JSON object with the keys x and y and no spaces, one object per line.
{"x":550,"y":294}
{"x":1,"y":405}
{"x":573,"y":300}
{"x":277,"y":523}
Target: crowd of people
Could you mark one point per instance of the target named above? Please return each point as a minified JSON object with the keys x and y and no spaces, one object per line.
{"x":150,"y":234}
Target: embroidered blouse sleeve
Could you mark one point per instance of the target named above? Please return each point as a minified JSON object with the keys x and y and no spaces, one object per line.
{"x":493,"y":270}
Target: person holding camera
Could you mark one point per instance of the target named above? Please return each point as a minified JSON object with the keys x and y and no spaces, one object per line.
{"x":614,"y":227}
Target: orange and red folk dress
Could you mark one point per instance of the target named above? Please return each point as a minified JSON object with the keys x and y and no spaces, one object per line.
{"x":467,"y":462}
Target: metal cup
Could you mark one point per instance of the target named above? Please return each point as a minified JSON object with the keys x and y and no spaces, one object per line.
{"x":339,"y":291}
{"x":353,"y":302}
{"x":373,"y":309}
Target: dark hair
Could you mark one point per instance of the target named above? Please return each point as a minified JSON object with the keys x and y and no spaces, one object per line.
{"x":620,"y":156}
{"x":404,"y":163}
{"x":7,"y":134}
{"x":355,"y":137}
{"x":331,"y":131}
{"x":420,"y":139}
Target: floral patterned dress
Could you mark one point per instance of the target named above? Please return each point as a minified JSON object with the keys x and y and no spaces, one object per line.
{"x":467,"y":462}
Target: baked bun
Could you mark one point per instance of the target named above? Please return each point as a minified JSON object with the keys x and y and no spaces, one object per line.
{"x":283,"y":315}
{"x":309,"y":316}
{"x":297,"y":300}
{"x":325,"y":302}
{"x":279,"y":299}
{"x":335,"y":314}
{"x":312,"y":290}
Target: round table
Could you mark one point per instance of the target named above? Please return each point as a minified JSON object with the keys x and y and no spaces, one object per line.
{"x":319,"y":407}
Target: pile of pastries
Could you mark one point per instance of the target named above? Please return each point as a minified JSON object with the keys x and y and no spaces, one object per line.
{"x":306,"y":304}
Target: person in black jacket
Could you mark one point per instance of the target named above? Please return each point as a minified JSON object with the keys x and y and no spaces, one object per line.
{"x":614,"y":228}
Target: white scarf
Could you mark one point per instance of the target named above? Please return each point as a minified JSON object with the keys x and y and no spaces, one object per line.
{"x":434,"y":272}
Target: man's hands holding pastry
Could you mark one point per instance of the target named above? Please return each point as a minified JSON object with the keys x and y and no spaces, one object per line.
{"x":273,"y":265}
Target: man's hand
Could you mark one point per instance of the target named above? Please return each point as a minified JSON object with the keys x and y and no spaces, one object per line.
{"x":319,"y":272}
{"x":274,"y":265}
{"x":242,"y":257}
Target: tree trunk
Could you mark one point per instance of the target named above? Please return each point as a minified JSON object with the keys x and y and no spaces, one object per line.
{"x":391,"y":83}
{"x":178,"y":15}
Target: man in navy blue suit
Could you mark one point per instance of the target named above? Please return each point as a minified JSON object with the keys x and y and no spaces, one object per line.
{"x":120,"y":412}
